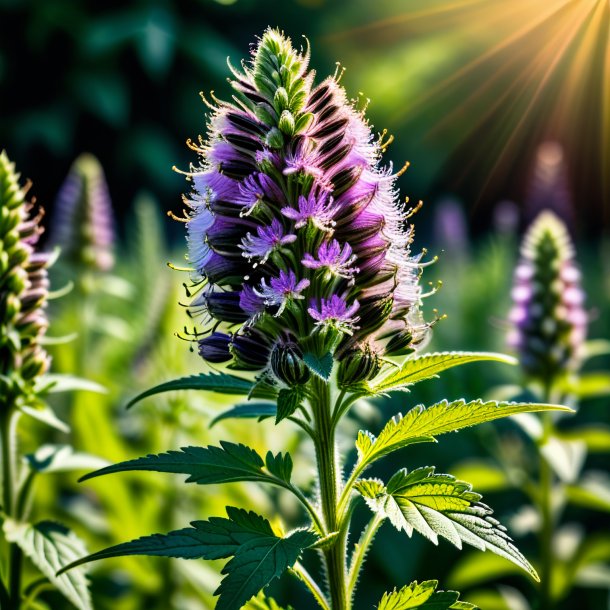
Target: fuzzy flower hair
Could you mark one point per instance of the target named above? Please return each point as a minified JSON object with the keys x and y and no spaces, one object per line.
{"x":294,"y":227}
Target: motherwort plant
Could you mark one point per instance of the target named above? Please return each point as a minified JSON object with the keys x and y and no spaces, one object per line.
{"x":305,"y":287}
{"x":24,"y":291}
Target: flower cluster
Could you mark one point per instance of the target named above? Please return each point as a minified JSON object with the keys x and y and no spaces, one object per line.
{"x":548,"y":317}
{"x":23,"y":290}
{"x":296,"y":236}
{"x":83,"y":223}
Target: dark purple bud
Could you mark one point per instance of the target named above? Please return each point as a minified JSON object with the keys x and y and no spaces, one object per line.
{"x":215,"y":348}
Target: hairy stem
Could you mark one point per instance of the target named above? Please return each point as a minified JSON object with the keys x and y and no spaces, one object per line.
{"x":302,"y":574}
{"x":329,"y":481}
{"x":360,"y":551}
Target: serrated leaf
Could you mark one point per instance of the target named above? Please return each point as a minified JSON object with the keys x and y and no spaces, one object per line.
{"x":258,"y":554}
{"x":50,"y":546}
{"x":260,"y":410}
{"x":279,"y":465}
{"x":288,"y":401}
{"x":208,"y":465}
{"x":422,"y":424}
{"x":422,"y":595}
{"x":326,"y":541}
{"x":439,"y":505}
{"x":428,"y":366}
{"x":62,"y":458}
{"x":320,"y":366}
{"x":222,"y":383}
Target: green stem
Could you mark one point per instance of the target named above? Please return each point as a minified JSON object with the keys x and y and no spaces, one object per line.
{"x":302,"y":574}
{"x":546,"y":514}
{"x":8,"y":425}
{"x":359,"y":555}
{"x":328,"y":476}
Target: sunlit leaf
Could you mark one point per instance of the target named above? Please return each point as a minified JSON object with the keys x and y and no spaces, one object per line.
{"x":596,"y":437}
{"x":210,"y":465}
{"x":440,"y":505}
{"x":592,"y":491}
{"x":422,"y":424}
{"x":422,"y":595}
{"x":258,"y":554}
{"x":428,"y":366}
{"x":50,"y":546}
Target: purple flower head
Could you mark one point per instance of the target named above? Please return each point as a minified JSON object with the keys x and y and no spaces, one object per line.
{"x":336,"y":259}
{"x":294,"y":224}
{"x":549,"y":322}
{"x":335,"y":312}
{"x":282,"y":289}
{"x":267,"y":240}
{"x":318,"y":207}
{"x":83,"y":221}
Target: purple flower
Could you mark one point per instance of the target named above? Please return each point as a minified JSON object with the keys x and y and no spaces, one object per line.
{"x":267,"y":241}
{"x":83,"y":221}
{"x":282,"y":289}
{"x":318,"y":207}
{"x":294,"y":169}
{"x":335,"y":312}
{"x":549,"y":322}
{"x":331,"y":256}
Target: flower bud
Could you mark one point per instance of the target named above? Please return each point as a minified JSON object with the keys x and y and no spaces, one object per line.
{"x":358,"y":365}
{"x":215,"y":348}
{"x":287,"y":363}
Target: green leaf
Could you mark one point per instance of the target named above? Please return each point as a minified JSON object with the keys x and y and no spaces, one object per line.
{"x":260,"y":410}
{"x":428,"y":366}
{"x":258,"y":554}
{"x":288,"y":401}
{"x":43,"y":413}
{"x":439,"y":505}
{"x":62,"y":458}
{"x":209,"y":465}
{"x":422,"y":424}
{"x":55,"y":383}
{"x":596,"y":437}
{"x":588,"y":385}
{"x":321,"y":366}
{"x":422,"y":595}
{"x":51,"y":545}
{"x":593,"y":491}
{"x":222,"y":383}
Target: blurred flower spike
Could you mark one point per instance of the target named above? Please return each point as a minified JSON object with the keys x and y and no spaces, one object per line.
{"x":83,"y":223}
{"x":295,"y":228}
{"x":23,"y":291}
{"x":548,"y":316}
